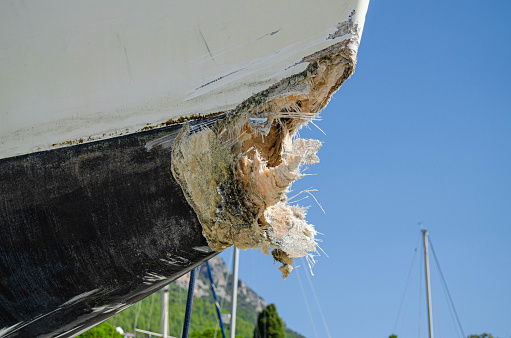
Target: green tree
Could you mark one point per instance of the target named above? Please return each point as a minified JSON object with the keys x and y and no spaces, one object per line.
{"x":393,"y":336}
{"x":483,"y":335}
{"x":269,"y":324}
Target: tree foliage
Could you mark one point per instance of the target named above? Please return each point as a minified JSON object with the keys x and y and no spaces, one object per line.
{"x":269,"y":324}
{"x":482,"y":335}
{"x":204,"y":314}
{"x":210,"y":333}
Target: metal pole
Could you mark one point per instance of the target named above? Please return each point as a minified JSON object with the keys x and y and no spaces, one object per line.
{"x":428,"y":287}
{"x":218,"y":312}
{"x":165,"y":312}
{"x":232,"y":328}
{"x":189,"y":303}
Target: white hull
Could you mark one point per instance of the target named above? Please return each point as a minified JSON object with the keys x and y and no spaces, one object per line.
{"x":78,"y":71}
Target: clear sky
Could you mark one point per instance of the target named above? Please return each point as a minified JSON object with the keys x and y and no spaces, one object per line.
{"x":421,"y":132}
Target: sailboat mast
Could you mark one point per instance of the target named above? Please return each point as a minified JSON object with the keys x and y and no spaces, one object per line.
{"x":165,"y":312}
{"x":428,"y":286}
{"x":232,"y":328}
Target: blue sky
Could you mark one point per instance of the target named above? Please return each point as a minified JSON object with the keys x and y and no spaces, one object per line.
{"x":421,"y":132}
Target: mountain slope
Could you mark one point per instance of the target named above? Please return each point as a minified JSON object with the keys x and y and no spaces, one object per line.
{"x":146,"y":314}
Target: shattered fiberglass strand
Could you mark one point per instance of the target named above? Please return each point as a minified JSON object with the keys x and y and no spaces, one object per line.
{"x":236,"y":173}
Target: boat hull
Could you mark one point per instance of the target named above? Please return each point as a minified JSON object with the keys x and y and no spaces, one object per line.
{"x":89,"y":230}
{"x":91,"y":218}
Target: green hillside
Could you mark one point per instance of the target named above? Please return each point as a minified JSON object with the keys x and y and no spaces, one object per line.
{"x":146,"y":314}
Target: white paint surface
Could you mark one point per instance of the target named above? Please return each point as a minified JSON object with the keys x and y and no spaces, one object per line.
{"x":71,"y":70}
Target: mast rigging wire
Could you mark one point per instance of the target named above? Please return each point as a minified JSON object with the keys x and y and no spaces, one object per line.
{"x":445,"y":284}
{"x":317,"y":302}
{"x":306,"y":304}
{"x":407,"y":285}
{"x":452,"y":309}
